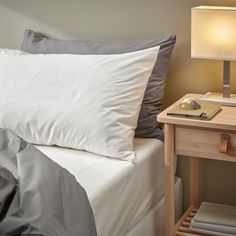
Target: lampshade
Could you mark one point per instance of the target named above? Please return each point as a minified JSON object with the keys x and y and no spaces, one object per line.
{"x":213,"y":36}
{"x":213,"y":33}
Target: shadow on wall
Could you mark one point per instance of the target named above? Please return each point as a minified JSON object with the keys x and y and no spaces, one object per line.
{"x":117,"y":20}
{"x":98,"y":19}
{"x":109,"y":19}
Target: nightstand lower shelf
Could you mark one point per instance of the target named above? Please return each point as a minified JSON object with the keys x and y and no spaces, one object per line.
{"x":182,"y":227}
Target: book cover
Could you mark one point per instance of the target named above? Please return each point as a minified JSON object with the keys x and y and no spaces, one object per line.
{"x":215,"y":218}
{"x":206,"y":112}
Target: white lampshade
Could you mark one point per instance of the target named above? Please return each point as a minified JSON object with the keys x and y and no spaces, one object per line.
{"x":213,"y":33}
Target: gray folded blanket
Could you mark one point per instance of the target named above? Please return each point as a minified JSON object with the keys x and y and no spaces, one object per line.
{"x":37,"y":196}
{"x":8,"y":187}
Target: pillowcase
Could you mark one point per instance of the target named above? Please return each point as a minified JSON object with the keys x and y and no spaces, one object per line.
{"x":6,"y":51}
{"x":86,"y":102}
{"x":148,"y":127}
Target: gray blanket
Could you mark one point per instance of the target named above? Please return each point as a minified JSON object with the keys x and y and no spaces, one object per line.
{"x":37,"y":196}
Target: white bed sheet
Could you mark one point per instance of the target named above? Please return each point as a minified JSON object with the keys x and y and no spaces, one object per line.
{"x":153,"y":223}
{"x":120,"y":192}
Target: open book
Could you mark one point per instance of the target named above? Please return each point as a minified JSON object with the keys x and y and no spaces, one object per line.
{"x":206,"y":112}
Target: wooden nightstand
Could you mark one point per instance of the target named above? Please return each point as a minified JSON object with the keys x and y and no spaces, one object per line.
{"x":213,"y":139}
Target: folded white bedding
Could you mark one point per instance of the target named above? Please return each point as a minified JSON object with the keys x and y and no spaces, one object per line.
{"x":120,"y":192}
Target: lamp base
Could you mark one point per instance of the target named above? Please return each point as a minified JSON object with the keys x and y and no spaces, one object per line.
{"x":219,"y":99}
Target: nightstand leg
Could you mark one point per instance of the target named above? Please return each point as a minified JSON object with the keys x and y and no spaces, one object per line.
{"x":169,"y":181}
{"x":194,"y":182}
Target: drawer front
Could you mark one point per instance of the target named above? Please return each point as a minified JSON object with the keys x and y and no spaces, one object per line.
{"x":205,"y":143}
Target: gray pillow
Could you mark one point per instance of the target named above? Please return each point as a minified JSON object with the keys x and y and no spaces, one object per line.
{"x":148,"y":127}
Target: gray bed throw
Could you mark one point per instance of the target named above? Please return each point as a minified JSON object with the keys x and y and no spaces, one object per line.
{"x":37,"y":196}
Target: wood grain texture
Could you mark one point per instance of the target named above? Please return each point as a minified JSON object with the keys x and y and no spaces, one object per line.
{"x":203,"y":142}
{"x":224,"y":119}
{"x":197,"y":139}
{"x":169,"y":180}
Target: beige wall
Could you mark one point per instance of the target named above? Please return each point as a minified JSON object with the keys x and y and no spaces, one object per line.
{"x":128,"y":20}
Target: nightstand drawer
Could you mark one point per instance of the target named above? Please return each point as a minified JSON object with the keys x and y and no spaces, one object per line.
{"x":205,"y":143}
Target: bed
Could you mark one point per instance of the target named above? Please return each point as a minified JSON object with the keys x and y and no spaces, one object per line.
{"x":81,"y":103}
{"x":126,"y":199}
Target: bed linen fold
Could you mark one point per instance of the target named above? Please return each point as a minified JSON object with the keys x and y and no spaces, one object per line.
{"x":48,"y":200}
{"x":120,"y":193}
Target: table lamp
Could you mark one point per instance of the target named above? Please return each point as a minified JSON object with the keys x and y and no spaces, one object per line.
{"x":213,"y":36}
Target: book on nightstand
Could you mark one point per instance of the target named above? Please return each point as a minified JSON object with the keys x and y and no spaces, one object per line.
{"x":206,"y":112}
{"x":215,"y":219}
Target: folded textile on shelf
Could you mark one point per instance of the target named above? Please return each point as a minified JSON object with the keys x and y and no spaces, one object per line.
{"x":215,"y":219}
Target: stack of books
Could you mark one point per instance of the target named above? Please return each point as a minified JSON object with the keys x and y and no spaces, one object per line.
{"x":215,"y":219}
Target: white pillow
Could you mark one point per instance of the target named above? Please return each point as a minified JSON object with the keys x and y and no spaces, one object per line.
{"x":7,"y":51}
{"x":86,"y":102}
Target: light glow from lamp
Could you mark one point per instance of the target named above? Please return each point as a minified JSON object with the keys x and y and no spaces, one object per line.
{"x":213,"y":36}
